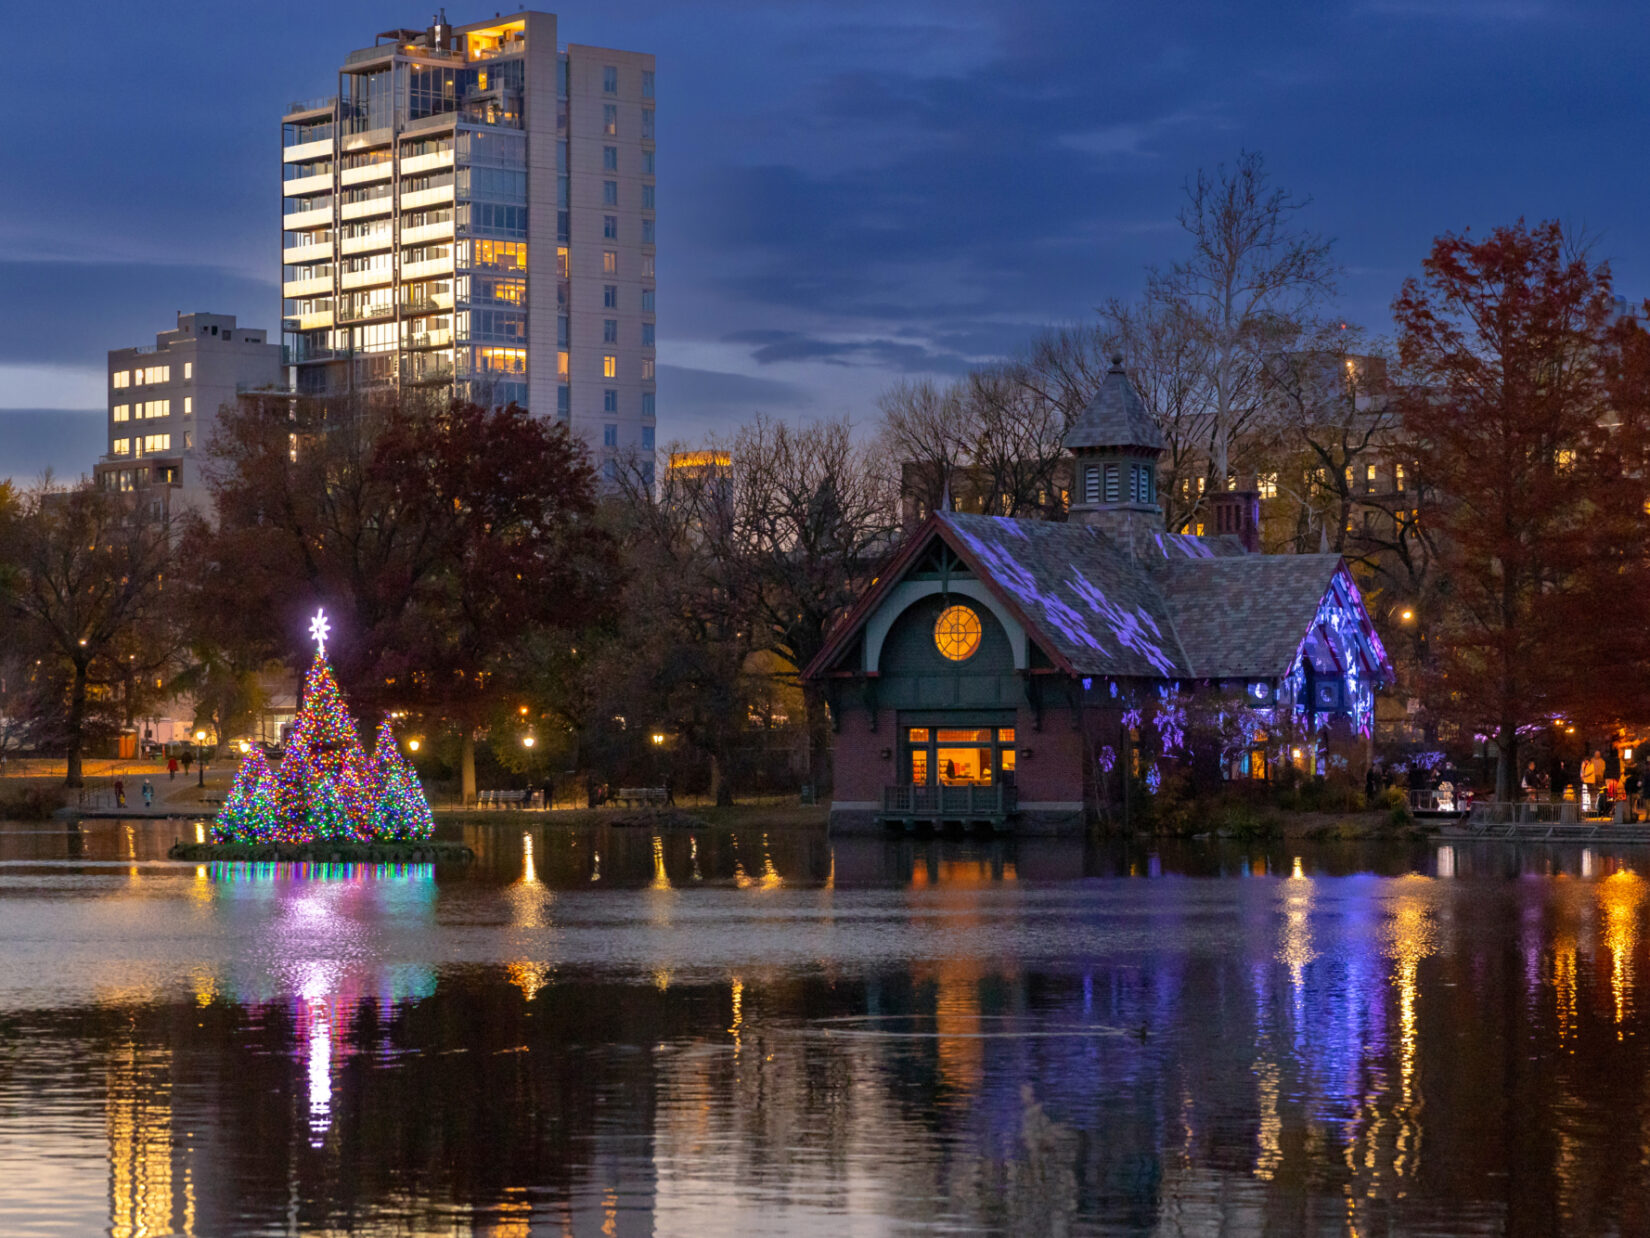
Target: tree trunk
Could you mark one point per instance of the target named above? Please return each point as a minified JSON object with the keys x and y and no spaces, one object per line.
{"x":76,"y":729}
{"x":721,"y":793}
{"x":467,"y":769}
{"x":1506,"y":763}
{"x":817,"y":722}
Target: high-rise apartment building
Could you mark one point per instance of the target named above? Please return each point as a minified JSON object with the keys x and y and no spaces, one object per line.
{"x":163,"y":400}
{"x":474,"y":212}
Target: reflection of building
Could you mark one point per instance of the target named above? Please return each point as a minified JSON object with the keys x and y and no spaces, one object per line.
{"x":164,"y":400}
{"x":474,"y":211}
{"x":150,"y":1191}
{"x":998,"y":668}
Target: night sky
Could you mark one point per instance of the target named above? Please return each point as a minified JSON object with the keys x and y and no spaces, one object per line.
{"x":848,"y":192}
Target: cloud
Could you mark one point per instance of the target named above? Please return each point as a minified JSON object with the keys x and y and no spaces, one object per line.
{"x":776,"y":346}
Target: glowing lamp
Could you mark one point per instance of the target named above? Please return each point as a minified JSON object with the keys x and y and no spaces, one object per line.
{"x":1407,"y":616}
{"x":527,"y":741}
{"x":1297,"y":754}
{"x":412,"y":745}
{"x":658,"y":738}
{"x":200,"y":737}
{"x":246,"y":746}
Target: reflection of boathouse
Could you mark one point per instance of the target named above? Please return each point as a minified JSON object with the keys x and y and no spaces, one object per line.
{"x":1009,"y":671}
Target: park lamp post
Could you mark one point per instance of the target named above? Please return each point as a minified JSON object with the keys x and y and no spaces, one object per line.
{"x":200,"y":759}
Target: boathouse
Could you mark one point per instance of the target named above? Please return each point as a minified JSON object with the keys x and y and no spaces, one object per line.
{"x":1030,"y":675}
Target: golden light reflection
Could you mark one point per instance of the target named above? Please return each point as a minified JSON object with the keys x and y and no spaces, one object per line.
{"x":529,"y":874}
{"x":528,"y":977}
{"x":1269,"y":1154}
{"x":200,"y":832}
{"x":1620,"y":896}
{"x":693,"y":854}
{"x":661,"y":879}
{"x":1564,"y":985}
{"x":737,"y":1026}
{"x":1412,"y":937}
{"x":529,"y":899}
{"x":957,"y":1026}
{"x":205,"y":986}
{"x":515,"y":1215}
{"x":1295,"y":947}
{"x":770,"y":875}
{"x":138,"y":1118}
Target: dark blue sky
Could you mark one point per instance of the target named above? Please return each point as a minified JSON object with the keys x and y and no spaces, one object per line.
{"x":849,"y":192}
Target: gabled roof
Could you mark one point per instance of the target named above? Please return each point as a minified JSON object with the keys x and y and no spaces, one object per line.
{"x":1185,"y":608}
{"x":1116,"y":417}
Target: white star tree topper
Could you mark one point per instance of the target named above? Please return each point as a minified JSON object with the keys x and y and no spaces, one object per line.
{"x":318,"y":629}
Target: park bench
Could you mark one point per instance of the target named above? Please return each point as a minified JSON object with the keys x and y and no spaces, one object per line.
{"x":630,"y":797}
{"x":501,"y":799}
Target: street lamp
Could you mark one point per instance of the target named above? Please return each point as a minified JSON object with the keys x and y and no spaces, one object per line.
{"x":412,"y":745}
{"x":200,"y":742}
{"x":527,"y":741}
{"x":1407,"y":615}
{"x":658,"y":738}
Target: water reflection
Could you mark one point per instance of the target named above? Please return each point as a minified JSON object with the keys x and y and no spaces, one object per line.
{"x":746,"y":1032}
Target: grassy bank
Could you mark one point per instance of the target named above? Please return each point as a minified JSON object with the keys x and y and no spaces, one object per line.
{"x":766,"y":816}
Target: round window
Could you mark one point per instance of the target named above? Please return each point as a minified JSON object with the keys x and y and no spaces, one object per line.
{"x":957,"y":633}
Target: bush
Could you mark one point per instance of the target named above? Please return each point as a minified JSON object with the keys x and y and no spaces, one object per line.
{"x":29,"y":803}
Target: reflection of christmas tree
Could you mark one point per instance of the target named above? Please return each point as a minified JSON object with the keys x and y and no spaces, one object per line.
{"x":325,"y":787}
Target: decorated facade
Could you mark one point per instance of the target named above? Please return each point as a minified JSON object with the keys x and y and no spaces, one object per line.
{"x":1032,"y":675}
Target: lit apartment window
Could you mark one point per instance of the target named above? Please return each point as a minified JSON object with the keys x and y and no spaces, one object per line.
{"x":1267,"y":483}
{"x":120,"y":412}
{"x":610,"y":120}
{"x":188,"y":441}
{"x":610,"y":435}
{"x":610,"y":193}
{"x":647,"y":124}
{"x":647,"y":438}
{"x":188,"y":370}
{"x":610,"y":366}
{"x":121,"y":447}
{"x":647,"y":197}
{"x":647,"y":335}
{"x":647,"y":369}
{"x":561,"y":364}
{"x":610,"y":262}
{"x":610,"y":330}
{"x":647,"y":83}
{"x":610,"y":79}
{"x":188,"y":405}
{"x":610,"y":227}
{"x":1398,"y":477}
{"x":610,"y":296}
{"x":610,"y":159}
{"x":156,"y":442}
{"x":647,"y":163}
{"x":647,"y":404}
{"x":1369,"y":478}
{"x":647,"y":300}
{"x":647,"y":266}
{"x":561,"y":262}
{"x":122,"y":378}
{"x":610,"y":402}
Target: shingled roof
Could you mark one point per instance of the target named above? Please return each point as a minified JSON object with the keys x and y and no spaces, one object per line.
{"x":1179,"y":608}
{"x":1116,"y":417}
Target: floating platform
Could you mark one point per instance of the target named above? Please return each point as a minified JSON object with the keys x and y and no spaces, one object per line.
{"x":1542,"y":823}
{"x":423,"y":851}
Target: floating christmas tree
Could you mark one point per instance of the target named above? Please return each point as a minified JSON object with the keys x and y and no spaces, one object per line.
{"x":326,"y":788}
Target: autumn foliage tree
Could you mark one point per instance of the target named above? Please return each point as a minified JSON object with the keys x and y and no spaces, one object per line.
{"x":1524,"y":400}
{"x":438,"y":539}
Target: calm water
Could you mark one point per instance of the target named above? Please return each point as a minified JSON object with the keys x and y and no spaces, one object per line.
{"x":609,"y":1033}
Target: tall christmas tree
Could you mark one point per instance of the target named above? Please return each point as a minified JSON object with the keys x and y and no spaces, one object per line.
{"x":325,"y":788}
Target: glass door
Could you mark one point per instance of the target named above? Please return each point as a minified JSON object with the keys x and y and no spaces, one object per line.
{"x":957,"y":756}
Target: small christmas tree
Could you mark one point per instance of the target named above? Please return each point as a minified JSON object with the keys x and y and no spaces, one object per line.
{"x":400,"y":810}
{"x":325,"y":788}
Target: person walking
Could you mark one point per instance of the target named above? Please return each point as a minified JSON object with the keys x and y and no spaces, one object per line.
{"x":171,"y":769}
{"x":120,"y":793}
{"x":148,"y":794}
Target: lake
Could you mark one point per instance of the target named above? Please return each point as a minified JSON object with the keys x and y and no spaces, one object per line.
{"x":608,"y":1032}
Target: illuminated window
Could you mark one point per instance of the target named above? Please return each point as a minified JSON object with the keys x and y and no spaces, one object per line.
{"x":122,"y":378}
{"x":610,"y":120}
{"x":1566,"y":459}
{"x":188,"y":370}
{"x":121,"y":447}
{"x":503,"y":360}
{"x":120,"y":412}
{"x":957,"y":633}
{"x":610,"y":262}
{"x":610,"y":366}
{"x":1267,"y":484}
{"x":561,"y":365}
{"x":188,"y":405}
{"x":1398,"y":476}
{"x":561,"y":262}
{"x":647,"y":368}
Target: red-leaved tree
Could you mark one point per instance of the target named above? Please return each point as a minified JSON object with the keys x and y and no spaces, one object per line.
{"x":1525,"y":402}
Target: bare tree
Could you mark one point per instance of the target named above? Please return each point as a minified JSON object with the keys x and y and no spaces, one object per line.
{"x":928,"y":433}
{"x":1251,"y":280}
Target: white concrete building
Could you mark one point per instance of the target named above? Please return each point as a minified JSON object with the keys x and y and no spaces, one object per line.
{"x":473,"y":212}
{"x":163,"y":401}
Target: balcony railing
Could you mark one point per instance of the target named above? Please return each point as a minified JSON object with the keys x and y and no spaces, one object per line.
{"x":942,"y":803}
{"x":317,"y":104}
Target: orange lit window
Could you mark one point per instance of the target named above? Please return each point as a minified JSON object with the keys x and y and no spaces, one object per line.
{"x":610,"y":366}
{"x":957,"y":635}
{"x":561,"y":365}
{"x":561,"y":261}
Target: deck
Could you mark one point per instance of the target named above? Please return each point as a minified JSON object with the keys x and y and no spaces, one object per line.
{"x":1540,"y":822}
{"x":913,"y":806}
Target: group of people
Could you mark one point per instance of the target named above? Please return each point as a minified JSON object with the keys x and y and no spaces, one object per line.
{"x":1598,"y":784}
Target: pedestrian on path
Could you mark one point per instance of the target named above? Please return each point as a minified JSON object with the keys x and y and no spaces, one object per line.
{"x":120,"y":793}
{"x":171,"y":768}
{"x":148,"y":794}
{"x":1592,"y":778}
